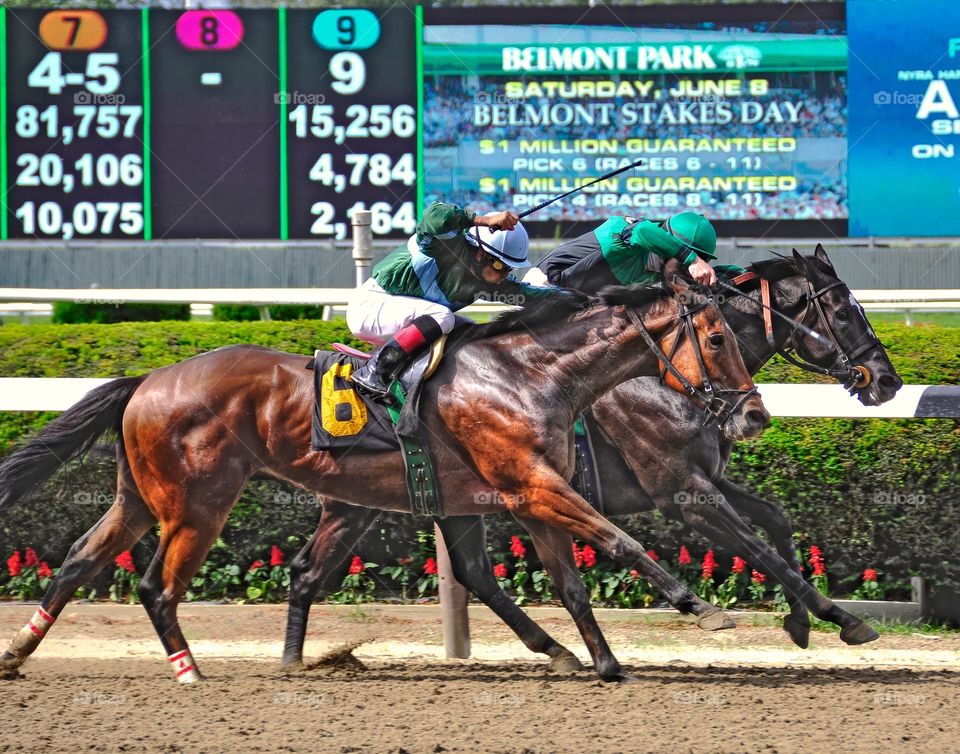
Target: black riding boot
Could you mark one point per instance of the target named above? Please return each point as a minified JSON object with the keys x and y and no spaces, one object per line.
{"x":392,"y":357}
{"x":384,"y":365}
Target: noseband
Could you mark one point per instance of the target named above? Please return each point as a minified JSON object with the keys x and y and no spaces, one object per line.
{"x":717,"y":407}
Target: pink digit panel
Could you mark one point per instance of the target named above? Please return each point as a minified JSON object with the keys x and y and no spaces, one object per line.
{"x":209,"y":30}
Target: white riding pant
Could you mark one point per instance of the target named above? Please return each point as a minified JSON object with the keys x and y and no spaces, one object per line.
{"x":536,"y":276}
{"x":375,"y":315}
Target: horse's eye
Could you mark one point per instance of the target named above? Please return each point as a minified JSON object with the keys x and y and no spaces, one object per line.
{"x":716,"y":341}
{"x":843,"y":314}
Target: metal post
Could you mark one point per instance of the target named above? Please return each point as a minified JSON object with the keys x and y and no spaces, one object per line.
{"x":362,"y":244}
{"x":453,"y":605}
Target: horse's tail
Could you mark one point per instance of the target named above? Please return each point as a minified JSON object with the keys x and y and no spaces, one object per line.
{"x":67,"y":437}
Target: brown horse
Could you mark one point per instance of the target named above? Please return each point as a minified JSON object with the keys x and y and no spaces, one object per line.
{"x":499,"y":412}
{"x":655,"y":451}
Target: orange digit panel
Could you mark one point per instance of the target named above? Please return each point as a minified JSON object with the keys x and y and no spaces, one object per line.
{"x":73,"y":30}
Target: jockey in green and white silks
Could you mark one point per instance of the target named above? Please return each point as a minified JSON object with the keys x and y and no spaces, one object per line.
{"x":454,"y":259}
{"x":624,"y":250}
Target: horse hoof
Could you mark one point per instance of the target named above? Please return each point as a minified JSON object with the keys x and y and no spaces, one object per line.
{"x":797,"y":630}
{"x":565,"y":663}
{"x":10,"y":671}
{"x":858,"y":633}
{"x":614,"y":676}
{"x":714,"y":621}
{"x":294,"y":666}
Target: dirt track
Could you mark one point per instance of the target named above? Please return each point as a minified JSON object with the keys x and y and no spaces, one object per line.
{"x":79,"y":692}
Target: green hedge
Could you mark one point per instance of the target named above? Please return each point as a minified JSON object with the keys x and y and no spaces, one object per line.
{"x":871,"y":493}
{"x":73,"y":313}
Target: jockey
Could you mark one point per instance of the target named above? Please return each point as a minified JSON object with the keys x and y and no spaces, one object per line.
{"x":455,"y":258}
{"x":625,"y":250}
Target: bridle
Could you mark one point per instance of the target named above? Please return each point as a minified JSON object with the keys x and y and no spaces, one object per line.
{"x":853,"y":377}
{"x":717,"y":406}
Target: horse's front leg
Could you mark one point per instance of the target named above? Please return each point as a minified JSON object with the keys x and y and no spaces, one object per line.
{"x":545,"y":496}
{"x":774,"y":522}
{"x":555,"y":550}
{"x":718,"y":522}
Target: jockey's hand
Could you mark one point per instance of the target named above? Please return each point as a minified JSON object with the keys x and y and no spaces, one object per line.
{"x":703,"y":273}
{"x":502,"y":220}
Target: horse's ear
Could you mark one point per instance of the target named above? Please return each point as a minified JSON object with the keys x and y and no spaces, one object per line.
{"x":672,"y":274}
{"x":799,"y":263}
{"x":821,"y":254}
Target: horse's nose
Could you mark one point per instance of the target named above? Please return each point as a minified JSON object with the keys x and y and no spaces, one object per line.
{"x":890,"y":382}
{"x":758,"y":417}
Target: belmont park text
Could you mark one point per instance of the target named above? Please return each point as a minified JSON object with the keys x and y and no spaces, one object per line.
{"x":609,"y":58}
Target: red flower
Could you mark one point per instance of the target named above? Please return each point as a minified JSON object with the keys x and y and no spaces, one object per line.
{"x":356,"y":565}
{"x":255,"y":565}
{"x":577,"y":556}
{"x":30,"y":558}
{"x":430,"y":567}
{"x":125,"y":561}
{"x":634,"y":574}
{"x":500,"y":570}
{"x":589,"y":556}
{"x":43,"y":570}
{"x":739,"y":564}
{"x":516,"y":548}
{"x":870,"y":574}
{"x":684,"y":558}
{"x":816,"y":560}
{"x":709,"y":563}
{"x":276,"y":556}
{"x":757,"y":578}
{"x":652,"y":554}
{"x":13,"y":563}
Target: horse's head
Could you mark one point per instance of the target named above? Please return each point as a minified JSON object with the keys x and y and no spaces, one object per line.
{"x":704,"y":361}
{"x":848,"y":347}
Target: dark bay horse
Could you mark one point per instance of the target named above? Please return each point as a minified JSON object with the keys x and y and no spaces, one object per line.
{"x":655,"y":446}
{"x":499,"y":412}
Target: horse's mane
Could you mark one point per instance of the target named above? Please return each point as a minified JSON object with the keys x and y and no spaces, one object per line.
{"x":781,"y":267}
{"x":561,"y":306}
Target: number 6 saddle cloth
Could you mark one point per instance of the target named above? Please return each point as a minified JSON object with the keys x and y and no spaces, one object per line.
{"x":342,"y":417}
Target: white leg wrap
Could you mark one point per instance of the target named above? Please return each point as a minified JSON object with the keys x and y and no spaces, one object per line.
{"x":184,"y":668}
{"x":28,"y":638}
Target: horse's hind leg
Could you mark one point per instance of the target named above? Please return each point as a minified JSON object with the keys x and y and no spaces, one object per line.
{"x":191,"y":517}
{"x":127,"y":520}
{"x":471,"y":567}
{"x":774,"y":522}
{"x":320,"y":567}
{"x":555,"y":549}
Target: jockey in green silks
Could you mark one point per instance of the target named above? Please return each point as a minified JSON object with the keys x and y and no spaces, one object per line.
{"x":455,"y":257}
{"x":624,"y":250}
